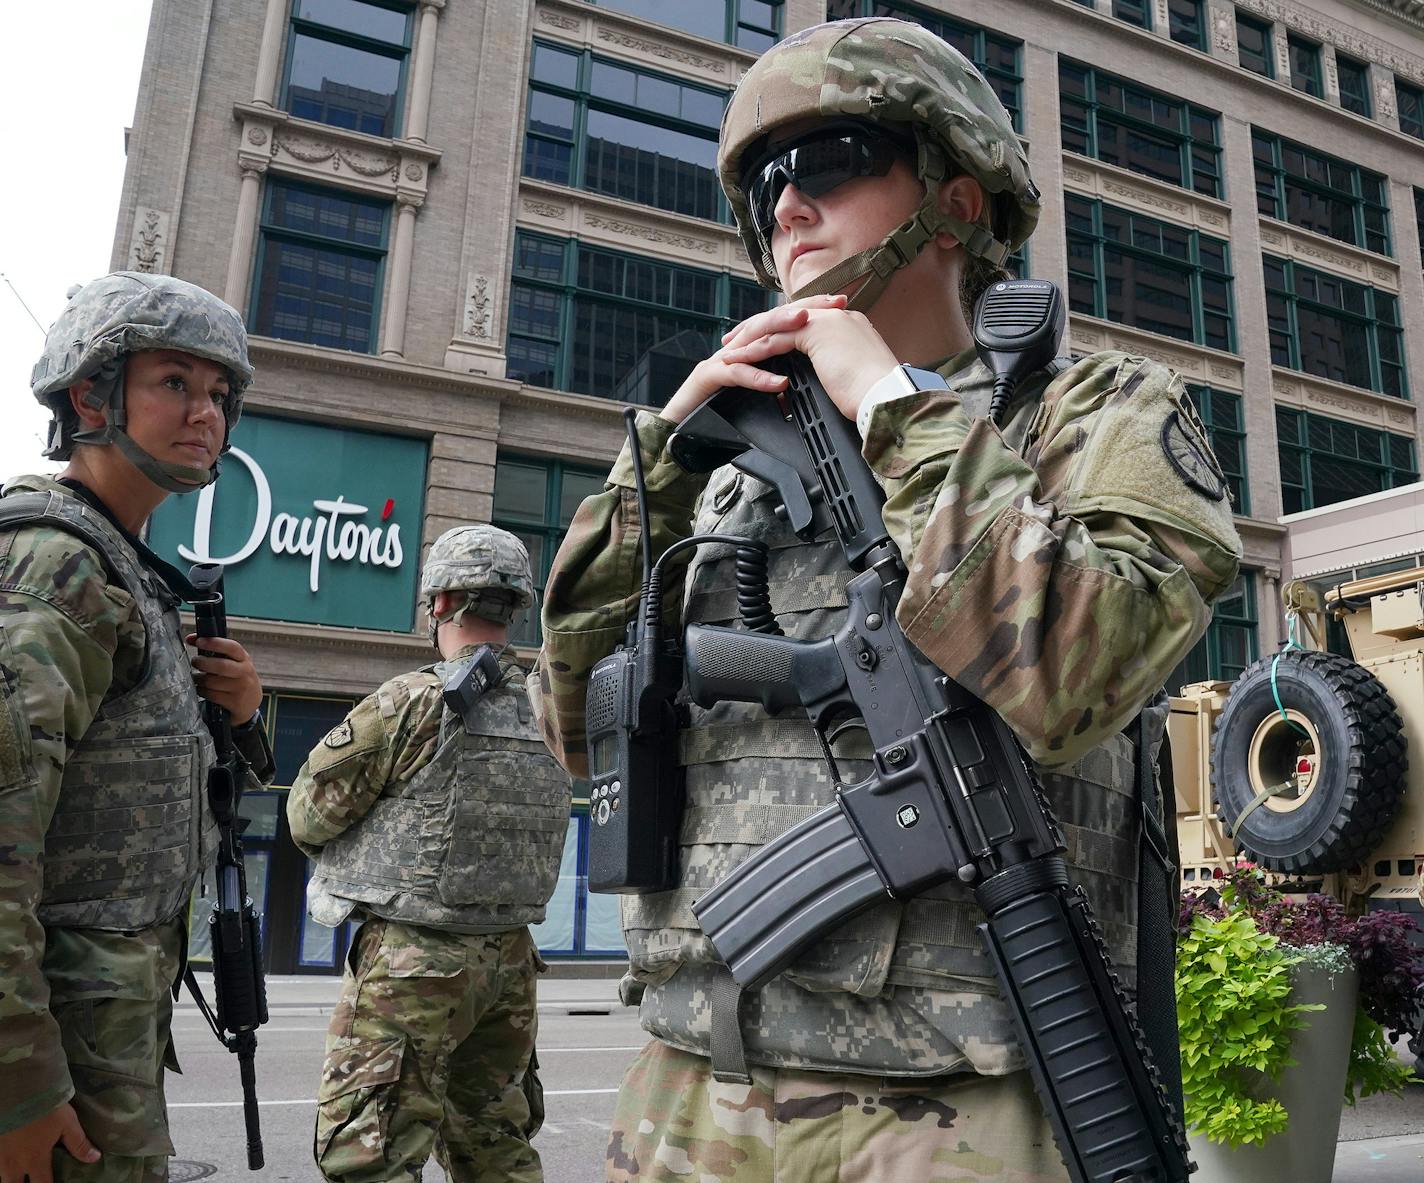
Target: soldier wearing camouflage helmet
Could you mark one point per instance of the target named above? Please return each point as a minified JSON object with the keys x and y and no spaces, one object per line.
{"x":439,"y":820}
{"x":1060,"y":565}
{"x":103,"y":751}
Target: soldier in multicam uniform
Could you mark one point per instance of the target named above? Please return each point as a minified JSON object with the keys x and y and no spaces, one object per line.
{"x":1060,"y":566}
{"x":103,"y":751}
{"x":445,"y":833}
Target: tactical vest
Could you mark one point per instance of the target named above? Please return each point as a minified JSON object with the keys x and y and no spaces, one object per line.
{"x":903,"y":989}
{"x":472,"y":842}
{"x":132,"y":830}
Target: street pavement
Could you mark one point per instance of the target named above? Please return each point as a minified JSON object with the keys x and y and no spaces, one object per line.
{"x":586,"y":1041}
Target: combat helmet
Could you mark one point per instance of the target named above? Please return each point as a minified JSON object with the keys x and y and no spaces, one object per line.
{"x":911,"y":82}
{"x":489,"y":564}
{"x":127,"y":312}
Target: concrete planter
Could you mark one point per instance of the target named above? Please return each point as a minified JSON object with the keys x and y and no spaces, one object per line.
{"x":1312,"y":1092}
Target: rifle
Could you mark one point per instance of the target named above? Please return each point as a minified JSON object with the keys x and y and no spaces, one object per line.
{"x":239,"y":982}
{"x":951,"y":796}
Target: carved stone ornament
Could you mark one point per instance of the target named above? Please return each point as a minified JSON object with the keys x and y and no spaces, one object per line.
{"x":1402,"y":418}
{"x":1223,"y":29}
{"x":647,"y":233}
{"x":479,"y":308}
{"x":1220,"y":371}
{"x":314,"y":152}
{"x":658,"y":50}
{"x":544,"y":209}
{"x":558,"y":20}
{"x":150,"y":240}
{"x":256,"y":135}
{"x":1338,"y":33}
{"x":414,"y":172}
{"x":1384,"y":99}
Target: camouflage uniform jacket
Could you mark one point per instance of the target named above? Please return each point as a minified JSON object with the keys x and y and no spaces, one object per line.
{"x":1059,"y":568}
{"x":415,"y":816}
{"x":100,"y":734}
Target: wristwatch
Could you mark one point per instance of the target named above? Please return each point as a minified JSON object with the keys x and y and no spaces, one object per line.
{"x":899,"y":382}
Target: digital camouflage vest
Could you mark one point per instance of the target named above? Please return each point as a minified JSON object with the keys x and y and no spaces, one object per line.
{"x":470,"y":843}
{"x":903,"y":988}
{"x":132,"y":830}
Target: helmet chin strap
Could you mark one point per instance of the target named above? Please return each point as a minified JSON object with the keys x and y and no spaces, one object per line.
{"x":108,"y":393}
{"x":876,"y":265}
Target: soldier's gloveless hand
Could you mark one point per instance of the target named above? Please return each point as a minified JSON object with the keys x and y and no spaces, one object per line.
{"x":227,"y":677}
{"x":26,"y":1152}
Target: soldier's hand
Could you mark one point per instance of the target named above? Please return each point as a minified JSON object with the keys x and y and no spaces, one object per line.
{"x":25,"y":1153}
{"x":225,"y":675}
{"x":712,"y":374}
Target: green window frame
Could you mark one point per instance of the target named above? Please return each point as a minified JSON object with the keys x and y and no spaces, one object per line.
{"x":1231,"y":641}
{"x":1409,"y":102}
{"x":579,"y":105}
{"x":1351,"y":331}
{"x":597,"y":321}
{"x":748,"y":24}
{"x":297,"y":292}
{"x":1419,"y":221}
{"x":1155,"y":275}
{"x":535,"y":498}
{"x":1304,"y":56}
{"x":999,"y":58}
{"x":1186,"y":23}
{"x":333,"y":26}
{"x":1322,"y":193}
{"x":1121,"y":122}
{"x":1325,"y":460}
{"x":1354,"y":79}
{"x":1223,"y":414}
{"x":1253,"y":45}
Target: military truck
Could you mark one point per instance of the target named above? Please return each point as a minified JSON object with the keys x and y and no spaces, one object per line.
{"x":1311,"y":763}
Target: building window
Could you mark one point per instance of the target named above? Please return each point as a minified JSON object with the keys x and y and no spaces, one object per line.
{"x":535,"y":499}
{"x":1229,"y":645}
{"x":749,"y":24}
{"x":1121,"y":123}
{"x":1134,"y":12}
{"x":1410,"y":103}
{"x":1321,"y":193}
{"x":1321,"y":324}
{"x":1253,"y":45}
{"x":624,"y":132}
{"x":1326,"y":460}
{"x":1185,"y":24}
{"x":997,"y":57}
{"x":319,"y":266}
{"x":1304,"y":65}
{"x":1354,"y":85}
{"x":1419,"y":221}
{"x":600,"y":322}
{"x":1157,"y":276}
{"x":1223,"y":415}
{"x":346,"y":63}
{"x":295,"y":725}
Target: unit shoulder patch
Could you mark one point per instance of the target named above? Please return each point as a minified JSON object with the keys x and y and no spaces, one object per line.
{"x":340,"y":735}
{"x":1193,"y":462}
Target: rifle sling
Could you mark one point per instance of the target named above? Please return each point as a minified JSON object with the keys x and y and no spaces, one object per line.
{"x":729,"y":1055}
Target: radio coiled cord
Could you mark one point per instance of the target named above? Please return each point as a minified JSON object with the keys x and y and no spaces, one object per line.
{"x":753,"y":592}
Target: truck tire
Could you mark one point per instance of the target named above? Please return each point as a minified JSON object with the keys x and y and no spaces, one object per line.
{"x":1340,"y":748}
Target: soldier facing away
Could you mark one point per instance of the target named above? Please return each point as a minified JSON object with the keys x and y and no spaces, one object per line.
{"x":444,"y":830}
{"x":103,"y":751}
{"x":1059,"y":567}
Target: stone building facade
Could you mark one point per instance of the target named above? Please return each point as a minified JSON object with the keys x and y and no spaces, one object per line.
{"x":465,"y":231}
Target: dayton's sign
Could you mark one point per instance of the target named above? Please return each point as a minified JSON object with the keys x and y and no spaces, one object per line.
{"x":311,"y":523}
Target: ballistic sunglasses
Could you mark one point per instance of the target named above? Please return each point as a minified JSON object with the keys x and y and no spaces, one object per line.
{"x":817,"y":163}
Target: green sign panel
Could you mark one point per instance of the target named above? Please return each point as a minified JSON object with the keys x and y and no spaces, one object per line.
{"x":314,"y":524}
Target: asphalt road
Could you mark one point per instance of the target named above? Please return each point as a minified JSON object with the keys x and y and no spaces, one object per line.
{"x":583,"y":1058}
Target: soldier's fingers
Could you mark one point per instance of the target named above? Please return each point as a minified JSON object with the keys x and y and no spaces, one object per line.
{"x":778,"y":319}
{"x":223,"y":667}
{"x":75,"y":1140}
{"x":751,"y":378}
{"x":226,"y":646}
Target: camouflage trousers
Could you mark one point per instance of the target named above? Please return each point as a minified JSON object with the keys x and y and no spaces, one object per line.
{"x":429,"y":1048}
{"x":109,"y":993}
{"x":675,"y":1122}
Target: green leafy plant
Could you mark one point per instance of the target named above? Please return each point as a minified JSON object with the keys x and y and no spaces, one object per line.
{"x":1236,"y":952}
{"x":1236,"y":1023}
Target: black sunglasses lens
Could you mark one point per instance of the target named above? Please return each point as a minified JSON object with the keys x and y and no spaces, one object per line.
{"x":816,"y":168}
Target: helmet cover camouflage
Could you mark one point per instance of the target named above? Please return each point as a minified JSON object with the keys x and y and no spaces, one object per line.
{"x":885,"y":71}
{"x":129,"y":311}
{"x":486,"y":561}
